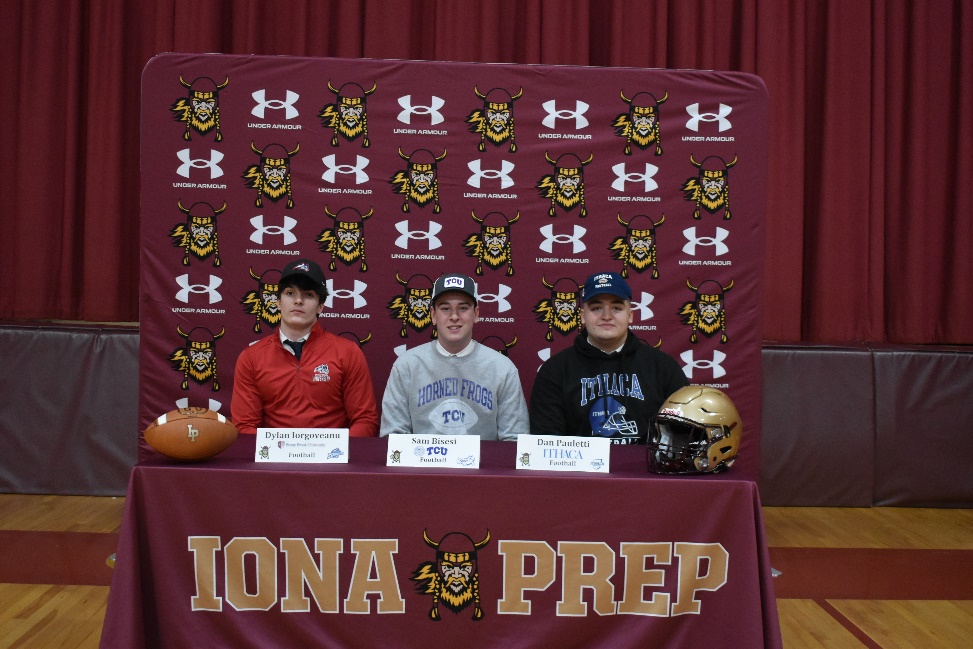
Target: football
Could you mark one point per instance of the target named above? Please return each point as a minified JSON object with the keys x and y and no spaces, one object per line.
{"x":191,"y":434}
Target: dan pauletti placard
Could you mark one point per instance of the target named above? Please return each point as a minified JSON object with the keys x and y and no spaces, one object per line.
{"x":304,"y":445}
{"x":435,"y":451}
{"x":557,"y":453}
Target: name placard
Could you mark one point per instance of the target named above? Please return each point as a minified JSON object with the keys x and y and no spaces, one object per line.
{"x":557,"y":453}
{"x":302,"y":445}
{"x":434,"y":451}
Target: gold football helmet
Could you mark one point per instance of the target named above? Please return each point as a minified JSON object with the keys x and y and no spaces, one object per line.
{"x":697,"y":430}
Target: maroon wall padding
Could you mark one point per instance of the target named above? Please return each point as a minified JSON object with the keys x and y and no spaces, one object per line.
{"x":818,"y":418}
{"x":924,"y":427}
{"x":69,"y":400}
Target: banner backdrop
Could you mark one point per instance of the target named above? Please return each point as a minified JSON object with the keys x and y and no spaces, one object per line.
{"x":389,"y":173}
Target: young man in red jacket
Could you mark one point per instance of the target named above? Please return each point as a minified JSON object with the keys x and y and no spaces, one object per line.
{"x":303,"y":376}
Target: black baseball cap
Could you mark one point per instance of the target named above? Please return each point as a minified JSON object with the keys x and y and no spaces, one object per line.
{"x":454,"y":282}
{"x":308,"y":269}
{"x":606,"y":283}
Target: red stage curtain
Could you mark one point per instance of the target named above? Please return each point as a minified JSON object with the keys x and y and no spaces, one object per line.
{"x":870,"y":128}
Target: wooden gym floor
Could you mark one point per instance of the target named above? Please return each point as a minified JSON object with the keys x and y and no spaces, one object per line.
{"x":881,"y":578}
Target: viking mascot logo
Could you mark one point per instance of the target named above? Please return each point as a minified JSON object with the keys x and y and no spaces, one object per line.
{"x":197,"y":360}
{"x":419,"y":181}
{"x":565,"y":187}
{"x":498,"y":344}
{"x":272,"y":177}
{"x":492,"y":244}
{"x":201,"y":109}
{"x":198,"y":236}
{"x":711,"y":189}
{"x":561,"y":311}
{"x":637,"y":249}
{"x":453,"y":579}
{"x":494,"y":123}
{"x":348,"y":116}
{"x":707,"y":313}
{"x":345,"y":241}
{"x":263,"y":303}
{"x":640,"y":125}
{"x":413,"y":308}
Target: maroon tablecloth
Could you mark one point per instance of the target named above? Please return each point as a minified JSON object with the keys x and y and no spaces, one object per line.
{"x":230,"y":554}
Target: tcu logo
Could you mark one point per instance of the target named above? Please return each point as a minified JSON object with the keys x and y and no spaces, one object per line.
{"x":427,"y":235}
{"x":287,"y":105}
{"x":333,"y":169}
{"x":695,"y":117}
{"x":199,"y":163}
{"x":553,"y":114}
{"x":355,"y":294}
{"x":703,"y":364}
{"x":453,"y":282}
{"x":499,"y":297}
{"x":621,"y":177}
{"x":642,"y":306}
{"x":719,"y":248}
{"x":502,"y":175}
{"x":408,"y":110}
{"x":577,"y":245}
{"x":259,"y":230}
{"x":187,"y":288}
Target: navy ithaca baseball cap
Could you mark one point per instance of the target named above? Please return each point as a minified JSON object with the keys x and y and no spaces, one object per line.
{"x":454,"y":282}
{"x":606,"y":283}
{"x":308,"y":269}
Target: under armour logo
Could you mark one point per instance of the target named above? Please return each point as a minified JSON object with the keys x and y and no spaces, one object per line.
{"x":354,"y":294}
{"x":332,"y":169}
{"x":692,"y":240}
{"x":621,"y":177}
{"x":260,"y":96}
{"x":200,"y":163}
{"x":208,"y":289}
{"x":553,"y":114}
{"x":213,"y":404}
{"x":499,"y":297}
{"x":577,"y":245}
{"x":505,"y":169}
{"x":543,"y":354}
{"x":642,"y":306}
{"x":696,"y":117}
{"x":400,"y":349}
{"x":428,"y":235}
{"x":715,"y":364}
{"x":259,"y":230}
{"x":408,"y":110}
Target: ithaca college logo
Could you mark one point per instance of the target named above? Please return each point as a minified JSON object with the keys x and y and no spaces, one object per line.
{"x":197,"y":359}
{"x":706,"y":314}
{"x":413,"y":308}
{"x":272,"y":177}
{"x":198,"y":236}
{"x":200,"y":110}
{"x":640,"y":126}
{"x":347,"y":117}
{"x":345,"y":240}
{"x":565,"y":187}
{"x":561,"y":311}
{"x":418,"y":183}
{"x":637,"y":249}
{"x":710,"y":189}
{"x":492,"y":244}
{"x":494,"y":121}
{"x":262,"y":302}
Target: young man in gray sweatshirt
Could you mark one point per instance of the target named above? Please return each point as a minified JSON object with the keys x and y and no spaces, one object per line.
{"x":454,"y":385}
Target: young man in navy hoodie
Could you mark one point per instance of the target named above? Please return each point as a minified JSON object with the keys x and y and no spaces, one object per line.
{"x":609,"y":383}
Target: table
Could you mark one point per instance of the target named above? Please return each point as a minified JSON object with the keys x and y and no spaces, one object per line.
{"x":230,"y":554}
